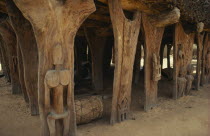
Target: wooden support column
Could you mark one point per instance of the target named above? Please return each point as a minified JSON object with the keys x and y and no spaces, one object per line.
{"x":206,"y":45}
{"x":96,"y":45}
{"x":29,"y":54}
{"x":153,"y":39}
{"x":21,"y":74}
{"x":183,"y":51}
{"x":9,"y":38}
{"x":126,"y":36}
{"x":5,"y":60}
{"x":137,"y":63}
{"x":200,"y":38}
{"x":169,"y":46}
{"x":55,"y":24}
{"x":162,"y":54}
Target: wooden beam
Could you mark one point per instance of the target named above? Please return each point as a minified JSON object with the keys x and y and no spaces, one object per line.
{"x":133,"y":5}
{"x":100,"y":18}
{"x":166,"y":18}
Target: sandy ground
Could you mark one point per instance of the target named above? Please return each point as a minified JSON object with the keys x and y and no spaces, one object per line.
{"x":187,"y":116}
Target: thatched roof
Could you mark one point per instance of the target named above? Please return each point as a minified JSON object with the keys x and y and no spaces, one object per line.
{"x":193,"y":11}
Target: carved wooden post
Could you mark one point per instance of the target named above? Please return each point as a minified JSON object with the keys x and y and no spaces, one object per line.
{"x":126,"y":35}
{"x":55,"y":24}
{"x":28,"y":48}
{"x":182,"y":54}
{"x":189,"y":77}
{"x":200,"y":38}
{"x":153,"y":39}
{"x":9,"y":38}
{"x":96,"y":45}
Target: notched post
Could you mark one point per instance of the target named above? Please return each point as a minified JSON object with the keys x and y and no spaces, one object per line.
{"x":153,"y":39}
{"x":126,"y":36}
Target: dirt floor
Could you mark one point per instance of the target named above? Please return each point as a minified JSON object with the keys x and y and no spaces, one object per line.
{"x":188,"y":116}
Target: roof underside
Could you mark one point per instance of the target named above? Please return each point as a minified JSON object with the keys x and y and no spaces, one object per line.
{"x":193,"y":11}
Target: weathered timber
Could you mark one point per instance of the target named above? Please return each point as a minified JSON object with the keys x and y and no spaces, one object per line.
{"x":189,"y":77}
{"x":206,"y":46}
{"x":169,"y":46}
{"x":182,"y":55}
{"x":5,"y":60}
{"x":9,"y":38}
{"x":29,"y":53}
{"x":137,"y":63}
{"x":96,"y":45}
{"x":88,"y":108}
{"x":200,"y":38}
{"x":133,"y":5}
{"x":153,"y":39}
{"x":55,"y":24}
{"x":126,"y":36}
{"x":166,"y":18}
{"x":21,"y":74}
{"x":162,"y":47}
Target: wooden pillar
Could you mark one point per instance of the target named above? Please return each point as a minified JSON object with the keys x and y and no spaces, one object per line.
{"x":29,"y":54}
{"x":200,"y":38}
{"x":137,"y":63}
{"x":9,"y":38}
{"x":153,"y":39}
{"x":203,"y":64}
{"x":55,"y":24}
{"x":162,"y":47}
{"x":183,"y":50}
{"x":5,"y":60}
{"x":126,"y":36}
{"x":21,"y":74}
{"x":96,"y":45}
{"x":168,"y":55}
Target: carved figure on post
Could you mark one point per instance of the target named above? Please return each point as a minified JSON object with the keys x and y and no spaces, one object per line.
{"x":189,"y":79}
{"x":181,"y":83}
{"x":156,"y":68}
{"x":181,"y":54}
{"x":55,"y":81}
